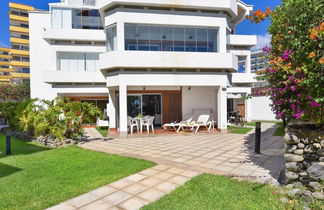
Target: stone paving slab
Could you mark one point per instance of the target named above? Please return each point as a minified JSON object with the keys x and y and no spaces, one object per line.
{"x":222,"y":154}
{"x":132,"y":192}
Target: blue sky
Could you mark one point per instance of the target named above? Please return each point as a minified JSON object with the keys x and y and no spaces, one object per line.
{"x":244,"y":28}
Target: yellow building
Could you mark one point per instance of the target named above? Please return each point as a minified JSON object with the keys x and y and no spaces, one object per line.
{"x":5,"y":66}
{"x":19,"y":38}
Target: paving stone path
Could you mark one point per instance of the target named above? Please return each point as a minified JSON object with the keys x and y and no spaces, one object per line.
{"x":132,"y":192}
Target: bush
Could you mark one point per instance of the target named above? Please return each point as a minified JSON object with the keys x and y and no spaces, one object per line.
{"x":60,"y":118}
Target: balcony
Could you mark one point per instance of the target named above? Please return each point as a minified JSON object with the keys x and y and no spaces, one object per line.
{"x":19,"y":52}
{"x":71,"y":77}
{"x":18,"y":29}
{"x":6,"y":70}
{"x":5,"y":56}
{"x":20,"y":75}
{"x":18,"y":18}
{"x":17,"y":6}
{"x":167,"y":60}
{"x":5,"y":77}
{"x":244,"y":78}
{"x":14,"y":40}
{"x":242,"y":40}
{"x":20,"y":63}
{"x":5,"y":63}
{"x":74,"y":34}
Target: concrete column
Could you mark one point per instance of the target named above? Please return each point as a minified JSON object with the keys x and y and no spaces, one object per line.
{"x":222,"y":36}
{"x":120,"y":36}
{"x":248,"y":63}
{"x":111,"y":108}
{"x":123,"y":110}
{"x":222,"y":108}
{"x":248,"y":111}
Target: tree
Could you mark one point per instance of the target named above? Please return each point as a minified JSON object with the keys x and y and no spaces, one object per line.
{"x":14,"y":92}
{"x":296,"y":70}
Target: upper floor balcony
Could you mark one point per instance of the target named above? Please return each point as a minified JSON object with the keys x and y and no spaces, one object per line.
{"x":242,"y":40}
{"x":74,"y":34}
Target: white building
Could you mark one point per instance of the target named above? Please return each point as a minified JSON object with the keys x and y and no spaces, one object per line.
{"x":157,"y":57}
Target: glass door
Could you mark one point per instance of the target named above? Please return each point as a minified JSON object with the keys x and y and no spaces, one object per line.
{"x":134,"y":105}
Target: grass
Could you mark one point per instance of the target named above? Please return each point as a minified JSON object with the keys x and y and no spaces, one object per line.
{"x":218,"y":192}
{"x":103,"y":131}
{"x":239,"y":130}
{"x":37,"y":178}
{"x":280,"y":131}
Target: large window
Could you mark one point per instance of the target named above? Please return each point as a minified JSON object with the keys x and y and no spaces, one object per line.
{"x":77,"y":62}
{"x":76,"y":18}
{"x":82,"y":2}
{"x":170,"y":38}
{"x":111,"y":37}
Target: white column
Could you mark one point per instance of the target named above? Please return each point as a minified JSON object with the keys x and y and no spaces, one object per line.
{"x":120,"y":36}
{"x":111,"y":108}
{"x":222,"y":37}
{"x":222,"y":108}
{"x":248,"y":63}
{"x":248,"y":111}
{"x":123,"y":110}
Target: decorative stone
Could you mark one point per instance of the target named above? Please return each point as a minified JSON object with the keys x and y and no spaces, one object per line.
{"x":298,"y":184}
{"x":284,"y":200}
{"x":301,"y":146}
{"x":307,"y":196}
{"x":316,"y":171}
{"x":292,"y":193}
{"x":310,"y":157}
{"x":309,"y":149}
{"x":291,"y":175}
{"x":316,"y":186}
{"x":291,"y":139}
{"x":305,"y":140}
{"x":299,"y":152}
{"x":293,"y":158}
{"x":317,"y":145}
{"x":293,"y":166}
{"x":290,"y":148}
{"x":320,"y":152}
{"x":322,"y":143}
{"x":303,"y":173}
{"x":318,"y":195}
{"x":321,"y":159}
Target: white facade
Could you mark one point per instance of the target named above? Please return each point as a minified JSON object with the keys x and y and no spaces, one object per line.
{"x":182,"y":53}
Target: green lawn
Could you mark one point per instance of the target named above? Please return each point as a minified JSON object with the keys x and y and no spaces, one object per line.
{"x":218,"y":192}
{"x":280,"y":131}
{"x":36,"y":178}
{"x":239,"y":130}
{"x":103,"y":131}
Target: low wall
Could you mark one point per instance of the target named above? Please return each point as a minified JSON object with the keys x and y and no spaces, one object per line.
{"x":304,"y":154}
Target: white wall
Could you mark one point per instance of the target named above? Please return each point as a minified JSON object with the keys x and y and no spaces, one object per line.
{"x":199,"y":98}
{"x":261,"y":109}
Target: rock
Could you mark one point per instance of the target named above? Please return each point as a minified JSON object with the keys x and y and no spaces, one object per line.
{"x":307,"y":196}
{"x":322,"y":143}
{"x":293,"y":166}
{"x":305,"y":140}
{"x":299,"y":152}
{"x":303,"y":173}
{"x":293,"y":158}
{"x":289,"y":186}
{"x":301,"y":146}
{"x":292,"y":193}
{"x":305,"y":207}
{"x":309,"y":149}
{"x":321,"y":159}
{"x":316,"y":171}
{"x":310,"y":157}
{"x":290,"y":148}
{"x":67,"y":141}
{"x":291,"y":139}
{"x":291,"y":175}
{"x":320,"y":152}
{"x":298,"y":184}
{"x":284,"y":200}
{"x":318,"y":195}
{"x":317,"y":145}
{"x":316,"y":186}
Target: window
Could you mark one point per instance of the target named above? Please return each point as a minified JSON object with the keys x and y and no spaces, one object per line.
{"x":25,"y":70}
{"x":111,"y":37}
{"x":86,"y":19}
{"x":170,"y":38}
{"x":77,"y":62}
{"x":82,"y":2}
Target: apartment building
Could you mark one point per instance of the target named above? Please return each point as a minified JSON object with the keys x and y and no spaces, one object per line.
{"x":162,"y":58}
{"x":5,"y":67}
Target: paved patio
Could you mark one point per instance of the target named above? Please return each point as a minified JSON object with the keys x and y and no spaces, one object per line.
{"x":224,"y":154}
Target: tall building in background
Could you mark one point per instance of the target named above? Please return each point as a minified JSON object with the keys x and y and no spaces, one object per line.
{"x":14,"y":61}
{"x":5,"y":67}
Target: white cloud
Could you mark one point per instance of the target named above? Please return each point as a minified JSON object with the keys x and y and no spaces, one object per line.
{"x":262,"y":41}
{"x":2,"y":44}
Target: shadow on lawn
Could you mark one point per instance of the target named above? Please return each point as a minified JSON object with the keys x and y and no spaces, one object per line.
{"x":6,"y":170}
{"x":272,"y":155}
{"x":19,"y":147}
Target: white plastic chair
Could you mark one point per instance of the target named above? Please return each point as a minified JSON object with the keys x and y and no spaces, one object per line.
{"x":202,"y":121}
{"x":102,"y":123}
{"x":147,"y":122}
{"x":131,"y":123}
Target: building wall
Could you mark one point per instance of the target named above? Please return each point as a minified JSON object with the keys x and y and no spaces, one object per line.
{"x":261,"y":109}
{"x":199,"y":98}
